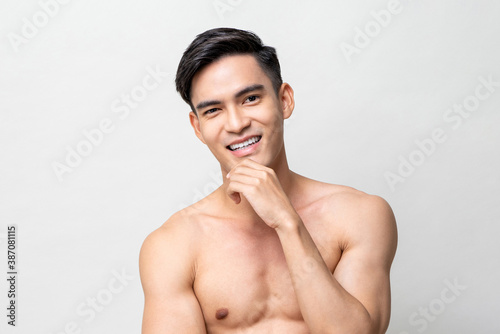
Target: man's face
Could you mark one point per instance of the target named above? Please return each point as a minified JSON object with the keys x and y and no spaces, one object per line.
{"x":238,"y":113}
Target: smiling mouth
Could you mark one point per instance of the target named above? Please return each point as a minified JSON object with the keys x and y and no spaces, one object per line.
{"x":244,"y":144}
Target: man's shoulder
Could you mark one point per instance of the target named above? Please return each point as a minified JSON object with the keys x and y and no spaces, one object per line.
{"x":354,"y":197}
{"x":363,"y":215}
{"x":356,"y":215}
{"x":346,"y":201}
{"x":180,"y":228}
{"x":174,"y":243}
{"x":339,"y":194}
{"x":168,"y":254}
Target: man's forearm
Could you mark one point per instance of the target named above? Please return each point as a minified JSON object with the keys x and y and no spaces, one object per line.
{"x":325,"y":305}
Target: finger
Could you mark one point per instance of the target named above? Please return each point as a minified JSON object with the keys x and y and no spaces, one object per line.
{"x":248,"y":171}
{"x":247,"y":163}
{"x":233,"y":194}
{"x":235,"y":190}
{"x":244,"y":178}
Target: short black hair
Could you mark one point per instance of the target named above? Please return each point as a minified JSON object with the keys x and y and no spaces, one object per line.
{"x":214,"y":44}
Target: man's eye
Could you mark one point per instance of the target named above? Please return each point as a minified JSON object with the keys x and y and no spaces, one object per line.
{"x":210,"y":111}
{"x":251,"y":98}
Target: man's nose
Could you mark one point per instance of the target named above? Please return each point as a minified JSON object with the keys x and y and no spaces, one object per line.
{"x":236,"y":120}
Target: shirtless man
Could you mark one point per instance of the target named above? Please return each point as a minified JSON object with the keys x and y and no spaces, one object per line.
{"x":269,"y":251}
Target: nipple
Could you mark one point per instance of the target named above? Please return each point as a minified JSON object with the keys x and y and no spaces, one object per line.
{"x":221,"y":313}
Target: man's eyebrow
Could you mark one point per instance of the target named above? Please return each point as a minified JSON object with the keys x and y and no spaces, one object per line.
{"x":205,"y":104}
{"x":249,"y":89}
{"x":244,"y":91}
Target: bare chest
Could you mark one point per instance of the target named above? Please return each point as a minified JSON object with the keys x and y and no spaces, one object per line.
{"x":243,"y":281}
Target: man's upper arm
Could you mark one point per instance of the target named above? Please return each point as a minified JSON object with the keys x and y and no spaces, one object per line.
{"x":364,"y":268}
{"x":167,"y":273}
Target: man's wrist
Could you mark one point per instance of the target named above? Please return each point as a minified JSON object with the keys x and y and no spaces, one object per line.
{"x":290,"y":224}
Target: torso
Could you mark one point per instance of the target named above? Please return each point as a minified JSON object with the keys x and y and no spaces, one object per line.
{"x":242,"y":276}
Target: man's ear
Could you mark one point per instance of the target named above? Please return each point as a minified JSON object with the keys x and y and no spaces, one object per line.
{"x":287,"y":100}
{"x":195,"y":123}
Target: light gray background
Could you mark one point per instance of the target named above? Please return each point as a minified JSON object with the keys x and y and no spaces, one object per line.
{"x":355,"y":118}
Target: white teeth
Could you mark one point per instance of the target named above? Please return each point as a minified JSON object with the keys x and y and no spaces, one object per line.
{"x":245,"y":143}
